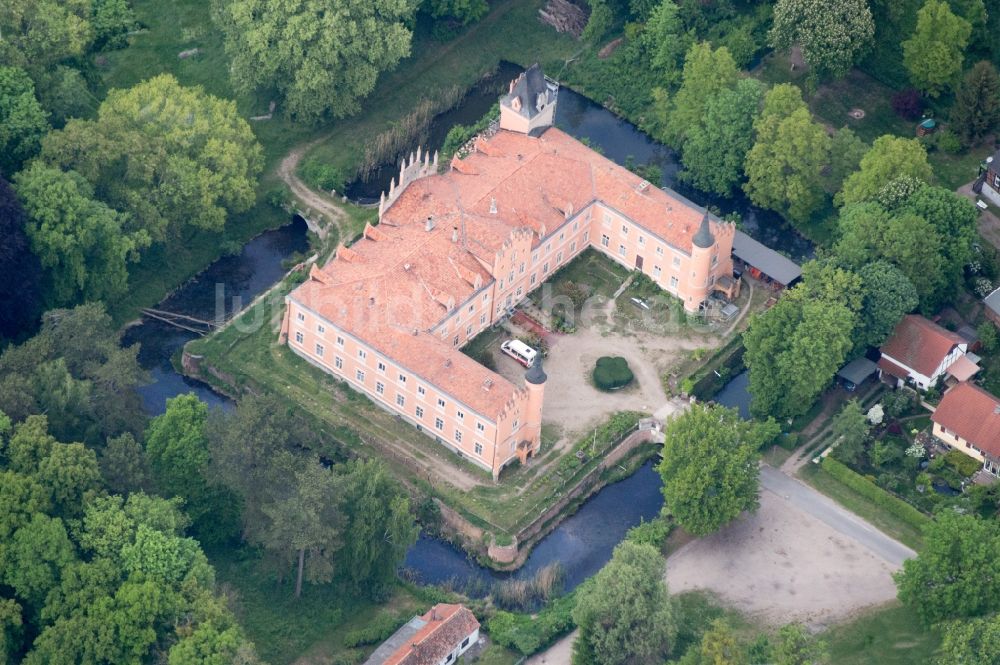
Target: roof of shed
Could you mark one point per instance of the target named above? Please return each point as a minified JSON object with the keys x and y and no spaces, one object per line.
{"x":774,"y":265}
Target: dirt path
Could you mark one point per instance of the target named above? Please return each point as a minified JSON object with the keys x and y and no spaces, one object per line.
{"x":310,"y":200}
{"x":560,"y":653}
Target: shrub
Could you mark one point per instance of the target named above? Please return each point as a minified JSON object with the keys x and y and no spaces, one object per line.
{"x":948,"y":142}
{"x":962,"y":463}
{"x":653,"y":532}
{"x":322,"y":176}
{"x":907,"y":104}
{"x":528,"y":634}
{"x":988,"y":336}
{"x":876,"y":494}
{"x":612,"y":373}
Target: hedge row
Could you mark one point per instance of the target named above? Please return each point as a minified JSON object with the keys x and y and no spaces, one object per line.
{"x":870,"y":490}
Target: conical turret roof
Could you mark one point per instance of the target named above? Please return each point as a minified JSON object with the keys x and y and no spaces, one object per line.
{"x":704,"y":238}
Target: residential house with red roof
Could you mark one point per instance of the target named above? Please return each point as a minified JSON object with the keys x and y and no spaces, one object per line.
{"x":968,"y":419}
{"x":438,"y":637}
{"x":920,"y":352}
{"x":454,"y":251}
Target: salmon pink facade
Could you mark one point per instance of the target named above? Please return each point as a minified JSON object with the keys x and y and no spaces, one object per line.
{"x":454,"y":251}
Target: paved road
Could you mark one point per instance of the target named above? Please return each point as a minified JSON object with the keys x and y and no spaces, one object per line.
{"x":826,"y":510}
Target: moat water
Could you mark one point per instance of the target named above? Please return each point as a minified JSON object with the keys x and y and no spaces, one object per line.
{"x":583,"y":543}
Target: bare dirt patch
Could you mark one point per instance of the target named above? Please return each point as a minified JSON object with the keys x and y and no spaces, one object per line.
{"x":782,"y":565}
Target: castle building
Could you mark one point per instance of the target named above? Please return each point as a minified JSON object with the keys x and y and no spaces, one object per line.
{"x":455,"y":250}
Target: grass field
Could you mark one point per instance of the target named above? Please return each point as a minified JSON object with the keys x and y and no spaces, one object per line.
{"x":905,"y":533}
{"x":889,"y":636}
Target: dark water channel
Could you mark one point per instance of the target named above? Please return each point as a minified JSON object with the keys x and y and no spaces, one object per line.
{"x":583,"y":543}
{"x":225,"y":286}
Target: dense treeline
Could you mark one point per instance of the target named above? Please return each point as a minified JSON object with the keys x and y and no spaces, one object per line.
{"x":889,"y":236}
{"x":101,"y":532}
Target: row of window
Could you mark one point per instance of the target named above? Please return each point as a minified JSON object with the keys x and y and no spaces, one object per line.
{"x":360,"y":376}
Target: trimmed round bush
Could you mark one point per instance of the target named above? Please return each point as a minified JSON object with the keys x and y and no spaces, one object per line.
{"x":612,"y":373}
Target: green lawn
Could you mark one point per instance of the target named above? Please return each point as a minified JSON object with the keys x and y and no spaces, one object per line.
{"x":285,"y":628}
{"x":882,"y":519}
{"x":889,"y":636}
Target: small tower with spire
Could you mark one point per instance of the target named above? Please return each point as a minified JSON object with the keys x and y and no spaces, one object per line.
{"x":703,"y":246}
{"x":534,"y":383}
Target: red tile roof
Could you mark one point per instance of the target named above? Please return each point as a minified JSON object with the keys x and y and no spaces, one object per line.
{"x":920,"y":344}
{"x":973,"y":414}
{"x":892,"y":368}
{"x":447,"y":625}
{"x":395,"y":285}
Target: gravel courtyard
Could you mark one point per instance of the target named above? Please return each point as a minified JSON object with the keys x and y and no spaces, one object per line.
{"x":782,"y":564}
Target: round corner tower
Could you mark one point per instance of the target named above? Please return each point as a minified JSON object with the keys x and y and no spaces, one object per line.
{"x":702,"y":248}
{"x":534,"y":383}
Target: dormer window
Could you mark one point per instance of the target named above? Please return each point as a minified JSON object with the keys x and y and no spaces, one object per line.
{"x":516,"y":103}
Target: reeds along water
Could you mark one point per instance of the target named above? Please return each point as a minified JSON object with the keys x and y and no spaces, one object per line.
{"x":510,"y":594}
{"x":392,"y":144}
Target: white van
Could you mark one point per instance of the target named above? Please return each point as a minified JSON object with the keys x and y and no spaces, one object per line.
{"x":519,"y":351}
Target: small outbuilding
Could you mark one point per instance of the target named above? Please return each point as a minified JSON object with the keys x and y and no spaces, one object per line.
{"x":763,"y":263}
{"x":439,"y":637}
{"x":856,"y":372}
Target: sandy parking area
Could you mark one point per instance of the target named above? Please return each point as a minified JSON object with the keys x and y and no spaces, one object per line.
{"x":782,"y":565}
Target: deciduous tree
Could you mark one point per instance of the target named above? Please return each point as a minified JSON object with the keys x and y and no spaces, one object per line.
{"x":795,"y":646}
{"x":794,"y":349}
{"x":463,"y":11}
{"x":833,"y":35}
{"x":717,"y":146}
{"x":662,"y":39}
{"x":22,"y":120}
{"x":933,"y":55}
{"x":178,"y":452}
{"x":850,"y":431}
{"x":846,"y":151}
{"x":39,"y":33}
{"x":888,"y":295}
{"x":172,"y":157}
{"x":709,"y":466}
{"x":784,"y":167}
{"x":379,"y":528}
{"x":890,"y":158}
{"x":624,"y":613}
{"x":971,"y":641}
{"x":112,"y":20}
{"x":706,"y":73}
{"x":322,"y":56}
{"x":83,"y":349}
{"x":80,"y":241}
{"x":952,"y":575}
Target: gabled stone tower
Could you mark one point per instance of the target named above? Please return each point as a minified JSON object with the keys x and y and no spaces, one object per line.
{"x":530,"y":106}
